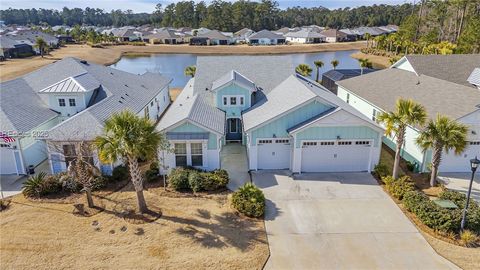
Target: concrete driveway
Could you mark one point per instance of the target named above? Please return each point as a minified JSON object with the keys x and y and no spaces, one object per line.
{"x":460,"y":182}
{"x":339,"y":221}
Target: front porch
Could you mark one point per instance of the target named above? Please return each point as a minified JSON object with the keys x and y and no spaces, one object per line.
{"x":233,"y":159}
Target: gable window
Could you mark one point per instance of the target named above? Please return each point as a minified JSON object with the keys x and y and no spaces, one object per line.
{"x":180,"y":154}
{"x":225,"y":101}
{"x":72,"y":102}
{"x":233,"y":101}
{"x":241,"y":101}
{"x":151,"y":104}
{"x":61,"y":102}
{"x":197,"y":155}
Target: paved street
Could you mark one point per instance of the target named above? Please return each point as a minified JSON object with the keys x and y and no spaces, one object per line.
{"x":339,"y":221}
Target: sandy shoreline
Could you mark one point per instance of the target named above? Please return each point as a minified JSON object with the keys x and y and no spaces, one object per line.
{"x":13,"y":68}
{"x":378,"y":61}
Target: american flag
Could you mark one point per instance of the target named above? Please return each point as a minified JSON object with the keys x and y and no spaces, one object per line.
{"x":6,"y":138}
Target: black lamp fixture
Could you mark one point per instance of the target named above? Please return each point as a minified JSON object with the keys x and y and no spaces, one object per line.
{"x":473,"y":166}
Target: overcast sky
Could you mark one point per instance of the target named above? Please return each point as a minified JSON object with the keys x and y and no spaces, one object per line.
{"x":149,"y":5}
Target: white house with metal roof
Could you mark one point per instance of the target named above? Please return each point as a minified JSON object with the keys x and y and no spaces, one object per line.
{"x":443,"y":84}
{"x":284,"y":120}
{"x":47,"y":112}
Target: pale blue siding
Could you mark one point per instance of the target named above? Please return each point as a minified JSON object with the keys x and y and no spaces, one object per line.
{"x":18,"y":161}
{"x":56,"y":163}
{"x":279,"y":127}
{"x":331,"y":133}
{"x":233,"y":89}
{"x":188,"y":127}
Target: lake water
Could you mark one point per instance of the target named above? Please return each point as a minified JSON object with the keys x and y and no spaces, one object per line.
{"x":173,"y":65}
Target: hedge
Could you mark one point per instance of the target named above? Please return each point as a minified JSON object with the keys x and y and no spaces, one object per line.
{"x":196,"y":180}
{"x":398,"y":187}
{"x":249,"y":200}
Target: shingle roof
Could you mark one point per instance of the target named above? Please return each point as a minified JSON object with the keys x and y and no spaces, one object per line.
{"x":213,"y":34}
{"x":304,"y":33}
{"x":343,"y":74}
{"x":243,"y":31}
{"x":163,"y":34}
{"x":383,"y":88}
{"x":265,"y":34}
{"x":7,"y":43}
{"x":453,"y":68}
{"x":474,"y":78}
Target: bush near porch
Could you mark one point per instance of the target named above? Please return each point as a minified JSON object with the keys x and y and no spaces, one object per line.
{"x":196,"y":180}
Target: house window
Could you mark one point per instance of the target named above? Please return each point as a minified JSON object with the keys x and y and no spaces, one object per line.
{"x":475,"y":143}
{"x":327,"y":143}
{"x":241,"y":101}
{"x":362,"y":142}
{"x":147,"y":112}
{"x":151,"y":104}
{"x":348,"y":98}
{"x":264,"y":141}
{"x":345,"y":143}
{"x":61,"y":102}
{"x":225,"y":103}
{"x":309,"y":143}
{"x":180,"y":154}
{"x":374,"y":115}
{"x":72,"y":102}
{"x":197,"y":155}
{"x":233,"y":101}
{"x":69,"y":152}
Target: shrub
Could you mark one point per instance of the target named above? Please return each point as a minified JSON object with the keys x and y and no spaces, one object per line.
{"x":99,"y":182}
{"x":51,"y":184}
{"x":40,"y":185}
{"x":381,"y":170}
{"x":468,"y":238}
{"x":398,"y":187}
{"x":119,"y":173}
{"x":473,"y":213}
{"x":68,"y":183}
{"x":411,"y":166}
{"x":249,"y":200}
{"x":222,"y":178}
{"x":195,"y":181}
{"x":178,"y":179}
{"x":4,"y":204}
{"x":210,"y":181}
{"x":151,"y":175}
{"x":458,"y":198}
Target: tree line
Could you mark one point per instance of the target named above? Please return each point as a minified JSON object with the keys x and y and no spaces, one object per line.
{"x":219,"y":14}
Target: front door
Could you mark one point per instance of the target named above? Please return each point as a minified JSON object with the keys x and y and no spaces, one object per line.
{"x":234,"y":129}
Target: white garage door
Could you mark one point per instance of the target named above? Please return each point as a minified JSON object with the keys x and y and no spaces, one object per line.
{"x":461,"y":163}
{"x":274,"y":154}
{"x":335,"y":156}
{"x":7,"y":160}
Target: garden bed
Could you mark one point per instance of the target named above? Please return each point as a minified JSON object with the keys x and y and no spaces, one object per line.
{"x":197,"y":231}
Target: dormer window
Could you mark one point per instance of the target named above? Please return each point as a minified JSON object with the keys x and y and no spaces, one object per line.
{"x":61,"y":102}
{"x":72,"y":102}
{"x":225,"y":101}
{"x":241,"y":101}
{"x":233,"y":101}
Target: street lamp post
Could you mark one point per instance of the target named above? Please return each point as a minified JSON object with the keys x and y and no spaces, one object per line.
{"x":473,"y":165}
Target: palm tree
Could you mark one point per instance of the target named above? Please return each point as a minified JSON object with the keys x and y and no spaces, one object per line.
{"x":335,"y":63}
{"x":304,"y":70}
{"x":367,"y":36}
{"x":129,"y":137}
{"x":407,"y":113}
{"x":190,"y":71}
{"x":364,"y":63}
{"x":442,"y":134}
{"x":41,"y":45}
{"x":318,"y":64}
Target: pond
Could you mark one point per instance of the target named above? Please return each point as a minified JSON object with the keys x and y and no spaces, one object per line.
{"x":173,"y":65}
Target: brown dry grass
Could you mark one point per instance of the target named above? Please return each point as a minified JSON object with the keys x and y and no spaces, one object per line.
{"x":196,"y":232}
{"x":174,"y":92}
{"x":13,"y":68}
{"x":377,"y":61}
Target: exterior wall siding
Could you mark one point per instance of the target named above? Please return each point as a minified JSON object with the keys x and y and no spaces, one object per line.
{"x":233,"y":90}
{"x":188,"y":127}
{"x":279,"y":127}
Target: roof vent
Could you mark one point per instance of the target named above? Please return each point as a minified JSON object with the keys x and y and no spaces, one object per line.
{"x":122,"y":98}
{"x":126,"y":85}
{"x":84,"y":62}
{"x":206,"y":88}
{"x":111,"y":73}
{"x":126,"y":94}
{"x":120,"y":101}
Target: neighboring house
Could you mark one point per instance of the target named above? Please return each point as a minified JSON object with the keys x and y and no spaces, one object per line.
{"x":11,"y":48}
{"x":284,"y":120}
{"x":438,"y":82}
{"x":351,"y":35}
{"x":284,"y":30}
{"x":29,"y":37}
{"x":49,"y":110}
{"x":265,"y":37}
{"x":163,"y":37}
{"x":331,"y":77}
{"x":212,"y":37}
{"x":126,"y":34}
{"x":474,"y":78}
{"x":305,"y":36}
{"x":242,"y":35}
{"x":333,"y":35}
{"x":314,"y":28}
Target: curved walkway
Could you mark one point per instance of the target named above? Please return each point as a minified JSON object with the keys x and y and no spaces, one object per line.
{"x":339,"y":221}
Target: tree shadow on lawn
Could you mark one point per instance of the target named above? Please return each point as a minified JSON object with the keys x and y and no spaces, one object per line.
{"x":227,"y":229}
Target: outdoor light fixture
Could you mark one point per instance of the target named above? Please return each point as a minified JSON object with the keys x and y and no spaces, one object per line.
{"x":473,"y":165}
{"x":338,"y":137}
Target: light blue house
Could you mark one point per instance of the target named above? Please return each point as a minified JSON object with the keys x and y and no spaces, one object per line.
{"x":284,"y":121}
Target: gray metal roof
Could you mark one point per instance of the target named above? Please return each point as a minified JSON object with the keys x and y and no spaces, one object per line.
{"x":265,"y":34}
{"x":265,"y":71}
{"x":384,"y":87}
{"x":304,"y":33}
{"x":453,"y":68}
{"x":292,"y":93}
{"x":7,"y":43}
{"x":81,"y":83}
{"x":187,"y":136}
{"x":213,"y":34}
{"x":233,"y":76}
{"x":342,"y":74}
{"x":163,"y":34}
{"x":120,"y":90}
{"x":474,"y":78}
